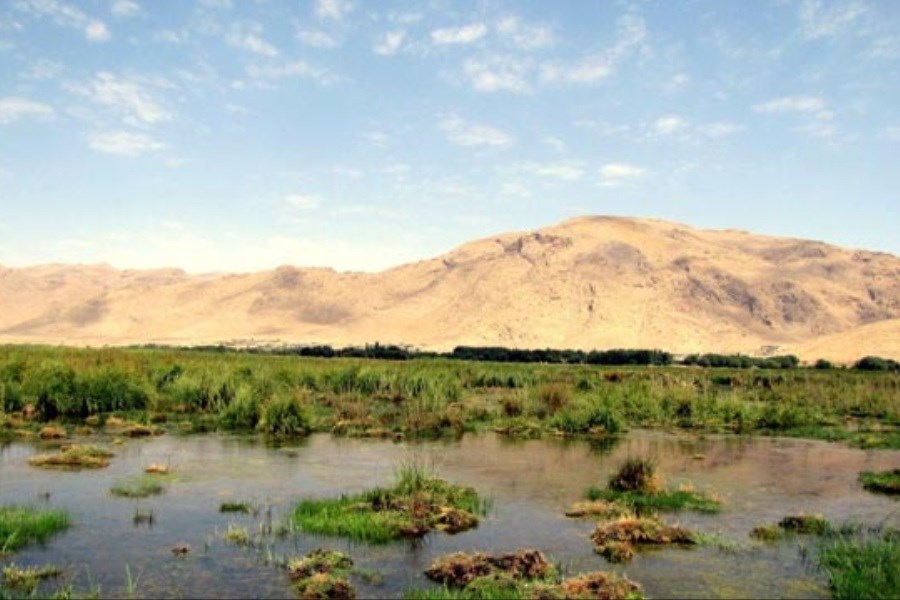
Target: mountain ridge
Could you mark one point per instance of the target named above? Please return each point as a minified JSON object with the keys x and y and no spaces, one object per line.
{"x":587,"y":282}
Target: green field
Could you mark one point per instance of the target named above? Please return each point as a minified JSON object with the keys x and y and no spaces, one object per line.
{"x":287,"y":396}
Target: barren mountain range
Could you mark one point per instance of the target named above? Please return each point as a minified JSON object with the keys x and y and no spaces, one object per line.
{"x":589,"y":283}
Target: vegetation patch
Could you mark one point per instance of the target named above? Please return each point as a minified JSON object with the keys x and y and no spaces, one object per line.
{"x":156,"y":469}
{"x":460,"y":569}
{"x":26,"y":579}
{"x":141,"y":486}
{"x":638,"y":487}
{"x":524,"y":574}
{"x":617,"y":540}
{"x":598,"y":508}
{"x":20,"y":525}
{"x":74,"y":456}
{"x":51,"y":432}
{"x":860,"y":566}
{"x":237,"y":507}
{"x":322,"y":574}
{"x":239,"y":536}
{"x":806,"y":524}
{"x":883,"y":482}
{"x":418,"y":503}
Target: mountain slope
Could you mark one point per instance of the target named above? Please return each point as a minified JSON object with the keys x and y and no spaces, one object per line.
{"x":591,"y":282}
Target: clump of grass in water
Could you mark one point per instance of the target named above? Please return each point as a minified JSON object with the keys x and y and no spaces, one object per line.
{"x":74,"y":456}
{"x":637,"y":486}
{"x":862,"y":567}
{"x":519,"y":575}
{"x":142,"y":486}
{"x":615,"y":540}
{"x":883,"y":482}
{"x":799,"y":524}
{"x":237,"y":507}
{"x":27,"y":578}
{"x":322,"y":574}
{"x":21,"y":525}
{"x":239,"y":536}
{"x":417,"y":504}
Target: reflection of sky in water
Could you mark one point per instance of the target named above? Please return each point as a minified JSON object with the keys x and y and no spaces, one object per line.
{"x":532,"y":483}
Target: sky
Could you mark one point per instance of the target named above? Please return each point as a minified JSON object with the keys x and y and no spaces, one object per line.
{"x":239,"y":135}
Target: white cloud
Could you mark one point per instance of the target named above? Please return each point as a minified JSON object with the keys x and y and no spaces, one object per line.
{"x":525,"y":36}
{"x":125,"y":8}
{"x":13,"y":108}
{"x":567,"y":170}
{"x":389,"y":42}
{"x":334,"y":10}
{"x":495,"y":73}
{"x":834,"y":18}
{"x":891,"y":133}
{"x":795,"y":104}
{"x":250,"y":39}
{"x":298,"y":68}
{"x":615,"y":174}
{"x":43,"y":69}
{"x":301,"y":201}
{"x":316,"y":39}
{"x":720,"y":129}
{"x":669,"y":124}
{"x":466,"y":133}
{"x":123,"y":143}
{"x":677,"y":82}
{"x":129,"y":97}
{"x":459,"y":35}
{"x":66,"y":15}
{"x":597,"y":67}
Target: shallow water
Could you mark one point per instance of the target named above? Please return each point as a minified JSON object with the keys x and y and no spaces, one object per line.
{"x":531,"y":482}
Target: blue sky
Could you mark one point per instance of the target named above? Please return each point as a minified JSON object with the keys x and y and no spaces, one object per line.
{"x":242,"y":135}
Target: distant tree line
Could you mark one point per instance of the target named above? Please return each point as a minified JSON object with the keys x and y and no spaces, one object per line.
{"x":618,"y":356}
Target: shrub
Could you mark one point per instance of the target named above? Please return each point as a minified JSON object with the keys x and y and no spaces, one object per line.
{"x":243,"y":413}
{"x":285,"y":416}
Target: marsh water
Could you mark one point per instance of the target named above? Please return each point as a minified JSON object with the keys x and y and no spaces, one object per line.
{"x":530,"y":482}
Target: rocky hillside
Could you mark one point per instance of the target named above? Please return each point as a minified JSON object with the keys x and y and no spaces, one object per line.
{"x":591,"y":282}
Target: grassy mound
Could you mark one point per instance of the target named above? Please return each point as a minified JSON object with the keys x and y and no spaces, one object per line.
{"x":616,"y":540}
{"x":792,"y":524}
{"x":884,"y":482}
{"x":26,"y":579}
{"x":638,"y":487}
{"x":21,"y":525}
{"x":524,"y":574}
{"x":74,"y":456}
{"x":418,"y":503}
{"x":142,"y":486}
{"x":322,"y":574}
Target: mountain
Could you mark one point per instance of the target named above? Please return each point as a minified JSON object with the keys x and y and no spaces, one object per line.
{"x":589,"y":282}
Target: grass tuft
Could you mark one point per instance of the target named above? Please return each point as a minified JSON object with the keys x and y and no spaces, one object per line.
{"x":882,"y":482}
{"x":21,"y":525}
{"x":141,"y":486}
{"x":74,"y":456}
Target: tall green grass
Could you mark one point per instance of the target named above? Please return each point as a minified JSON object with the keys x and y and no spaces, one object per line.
{"x":862,"y":567}
{"x":21,"y":525}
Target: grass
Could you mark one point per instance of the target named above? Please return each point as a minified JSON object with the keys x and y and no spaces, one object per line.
{"x":239,"y":536}
{"x":417,"y":503}
{"x":237,"y":507}
{"x":73,"y":457}
{"x":322,"y":574}
{"x":521,"y":574}
{"x":26,"y":579}
{"x":637,"y":486}
{"x":617,"y":540}
{"x":290,"y":396}
{"x":862,"y":566}
{"x":883,"y":482}
{"x":21,"y":525}
{"x":142,"y":486}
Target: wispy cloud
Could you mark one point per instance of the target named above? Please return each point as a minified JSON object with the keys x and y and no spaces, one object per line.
{"x":301,"y":201}
{"x":334,"y":10}
{"x":616,"y":174}
{"x":123,"y":143}
{"x":466,"y":133}
{"x":494,"y":73}
{"x":525,"y":36}
{"x":250,"y":38}
{"x":298,"y":68}
{"x":720,"y":129}
{"x":596,"y":67}
{"x":316,"y":39}
{"x":563,"y":170}
{"x":669,"y":124}
{"x":819,"y":20}
{"x":466,"y":34}
{"x":129,"y":97}
{"x":809,"y":105}
{"x":66,"y":15}
{"x":389,"y":42}
{"x":125,"y":9}
{"x":13,"y":108}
